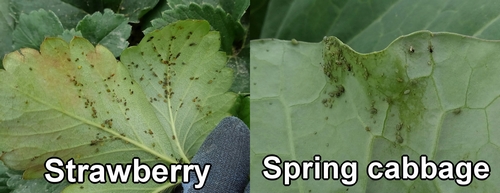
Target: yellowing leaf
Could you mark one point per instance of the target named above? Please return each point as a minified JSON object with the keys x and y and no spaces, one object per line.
{"x":77,"y":101}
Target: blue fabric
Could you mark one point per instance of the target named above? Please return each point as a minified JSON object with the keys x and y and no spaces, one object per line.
{"x":227,"y":149}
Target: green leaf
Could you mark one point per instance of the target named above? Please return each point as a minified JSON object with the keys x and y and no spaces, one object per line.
{"x":68,"y":35}
{"x":241,"y":66}
{"x":108,"y":29}
{"x":68,"y":15}
{"x":118,"y":187}
{"x":6,"y":28}
{"x":72,"y":11}
{"x":35,"y":27}
{"x":257,"y":14}
{"x":229,"y":29}
{"x":133,"y":10}
{"x":16,"y":184}
{"x":433,"y":94}
{"x":153,"y":14}
{"x":367,"y":26}
{"x":244,"y":109}
{"x":186,"y":83}
{"x":159,"y":104}
{"x":235,"y":8}
{"x":3,"y":179}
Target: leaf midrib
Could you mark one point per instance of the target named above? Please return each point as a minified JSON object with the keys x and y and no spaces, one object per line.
{"x":83,"y":120}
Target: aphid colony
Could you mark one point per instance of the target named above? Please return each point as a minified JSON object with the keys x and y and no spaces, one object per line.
{"x":99,"y":140}
{"x":399,"y":139}
{"x":335,"y":62}
{"x":328,"y":102}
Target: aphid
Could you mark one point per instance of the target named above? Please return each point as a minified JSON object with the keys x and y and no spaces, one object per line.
{"x":93,"y":142}
{"x":31,"y":68}
{"x":326,"y":118}
{"x":373,"y":111}
{"x":34,"y":158}
{"x":389,"y":100}
{"x":399,"y":139}
{"x":341,"y":88}
{"x":399,"y":126}
{"x":210,"y":82}
{"x":411,"y":49}
{"x":150,"y":132}
{"x":173,"y":137}
{"x":431,"y":49}
{"x":366,"y":74}
{"x":406,"y":92}
{"x":457,"y":111}
{"x":295,"y":42}
{"x":192,"y":44}
{"x":367,"y":128}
